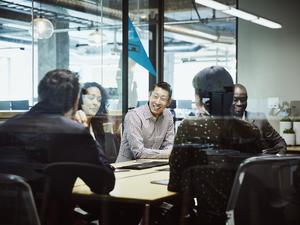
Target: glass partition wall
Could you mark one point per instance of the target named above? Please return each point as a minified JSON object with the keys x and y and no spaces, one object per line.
{"x":86,"y":36}
{"x":167,"y":40}
{"x":195,"y":37}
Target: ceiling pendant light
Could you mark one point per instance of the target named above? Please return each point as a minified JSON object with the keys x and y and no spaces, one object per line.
{"x":96,"y":39}
{"x":42,"y":28}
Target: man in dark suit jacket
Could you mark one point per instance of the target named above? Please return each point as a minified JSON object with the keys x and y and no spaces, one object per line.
{"x":273,"y":142}
{"x":46,"y":133}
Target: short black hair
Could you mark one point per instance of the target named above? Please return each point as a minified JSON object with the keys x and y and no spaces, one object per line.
{"x":212,"y":79}
{"x":59,"y":88}
{"x":242,"y":87}
{"x":104,"y":96}
{"x":165,"y":86}
{"x":216,"y":84}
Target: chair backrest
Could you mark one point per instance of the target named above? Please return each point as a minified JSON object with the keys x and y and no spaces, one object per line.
{"x":20,"y":105}
{"x":112,"y":146}
{"x":142,"y":102}
{"x":17,"y":206}
{"x":266,"y":190}
{"x":58,"y":202}
{"x":209,"y":179}
{"x":4,"y":105}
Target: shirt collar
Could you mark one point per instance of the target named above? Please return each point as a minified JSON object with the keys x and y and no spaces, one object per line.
{"x":244,"y":116}
{"x":148,"y":114}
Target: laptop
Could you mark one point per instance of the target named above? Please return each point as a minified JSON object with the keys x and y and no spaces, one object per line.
{"x":144,"y":165}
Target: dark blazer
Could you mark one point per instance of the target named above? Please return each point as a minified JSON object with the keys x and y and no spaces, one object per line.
{"x":273,"y":142}
{"x":44,"y":135}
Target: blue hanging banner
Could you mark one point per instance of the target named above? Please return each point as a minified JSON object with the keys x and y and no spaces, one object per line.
{"x":136,"y":50}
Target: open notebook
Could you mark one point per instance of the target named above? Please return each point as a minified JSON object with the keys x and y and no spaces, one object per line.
{"x":144,"y":165}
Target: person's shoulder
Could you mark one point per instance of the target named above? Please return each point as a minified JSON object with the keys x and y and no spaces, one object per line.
{"x":243,"y":127}
{"x":141,"y":111}
{"x":194,"y":123}
{"x":69,"y":124}
{"x":135,"y":110}
{"x":168,"y":113}
{"x":59,"y":123}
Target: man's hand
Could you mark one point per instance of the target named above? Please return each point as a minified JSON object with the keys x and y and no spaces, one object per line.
{"x":81,"y":117}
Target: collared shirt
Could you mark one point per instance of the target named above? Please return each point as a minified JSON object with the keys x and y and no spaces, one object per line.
{"x":146,"y":136}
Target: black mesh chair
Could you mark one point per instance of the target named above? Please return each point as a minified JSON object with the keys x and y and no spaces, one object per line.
{"x":58,"y":201}
{"x":266,"y":191}
{"x":112,"y":146}
{"x":17,"y":206}
{"x":206,"y":186}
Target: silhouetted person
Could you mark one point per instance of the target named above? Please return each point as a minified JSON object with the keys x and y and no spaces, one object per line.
{"x":214,"y":141}
{"x":46,"y":133}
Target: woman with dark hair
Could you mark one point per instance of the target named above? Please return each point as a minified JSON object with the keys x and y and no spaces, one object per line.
{"x":92,"y":109}
{"x":92,"y":112}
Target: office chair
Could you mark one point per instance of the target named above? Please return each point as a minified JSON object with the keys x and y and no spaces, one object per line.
{"x":142,"y":102}
{"x":266,"y":191}
{"x":17,"y":206}
{"x":58,"y":201}
{"x":14,"y":160}
{"x":209,"y":180}
{"x":112,"y":146}
{"x":20,"y":105}
{"x":4,"y":105}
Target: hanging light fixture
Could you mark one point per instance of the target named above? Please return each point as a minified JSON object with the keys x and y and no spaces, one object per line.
{"x":97,"y":38}
{"x":42,"y":27}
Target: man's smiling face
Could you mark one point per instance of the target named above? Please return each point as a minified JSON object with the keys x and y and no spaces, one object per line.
{"x":158,"y":101}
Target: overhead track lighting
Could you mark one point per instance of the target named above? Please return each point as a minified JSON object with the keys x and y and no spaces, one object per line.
{"x":195,"y":33}
{"x":239,"y":13}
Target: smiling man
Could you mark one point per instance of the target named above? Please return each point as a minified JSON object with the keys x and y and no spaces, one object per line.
{"x":149,"y":129}
{"x":273,"y":142}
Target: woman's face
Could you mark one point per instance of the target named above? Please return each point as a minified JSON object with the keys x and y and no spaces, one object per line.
{"x":91,"y":102}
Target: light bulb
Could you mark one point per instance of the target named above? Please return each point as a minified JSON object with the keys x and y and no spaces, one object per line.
{"x":96,"y":39}
{"x":43,"y":28}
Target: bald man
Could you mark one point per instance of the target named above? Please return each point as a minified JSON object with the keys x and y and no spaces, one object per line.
{"x":273,"y":142}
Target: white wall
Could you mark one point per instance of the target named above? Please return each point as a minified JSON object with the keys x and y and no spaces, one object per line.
{"x":269,"y":59}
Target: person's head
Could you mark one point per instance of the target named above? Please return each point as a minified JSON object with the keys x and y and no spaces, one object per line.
{"x":93,"y":99}
{"x":59,"y":88}
{"x":240,"y":98}
{"x":160,"y":98}
{"x":214,"y":90}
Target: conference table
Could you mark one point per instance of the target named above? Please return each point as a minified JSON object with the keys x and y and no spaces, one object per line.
{"x":134,"y":186}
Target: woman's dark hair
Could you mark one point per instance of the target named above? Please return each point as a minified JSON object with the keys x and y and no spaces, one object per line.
{"x":104,"y":96}
{"x":59,"y":88}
